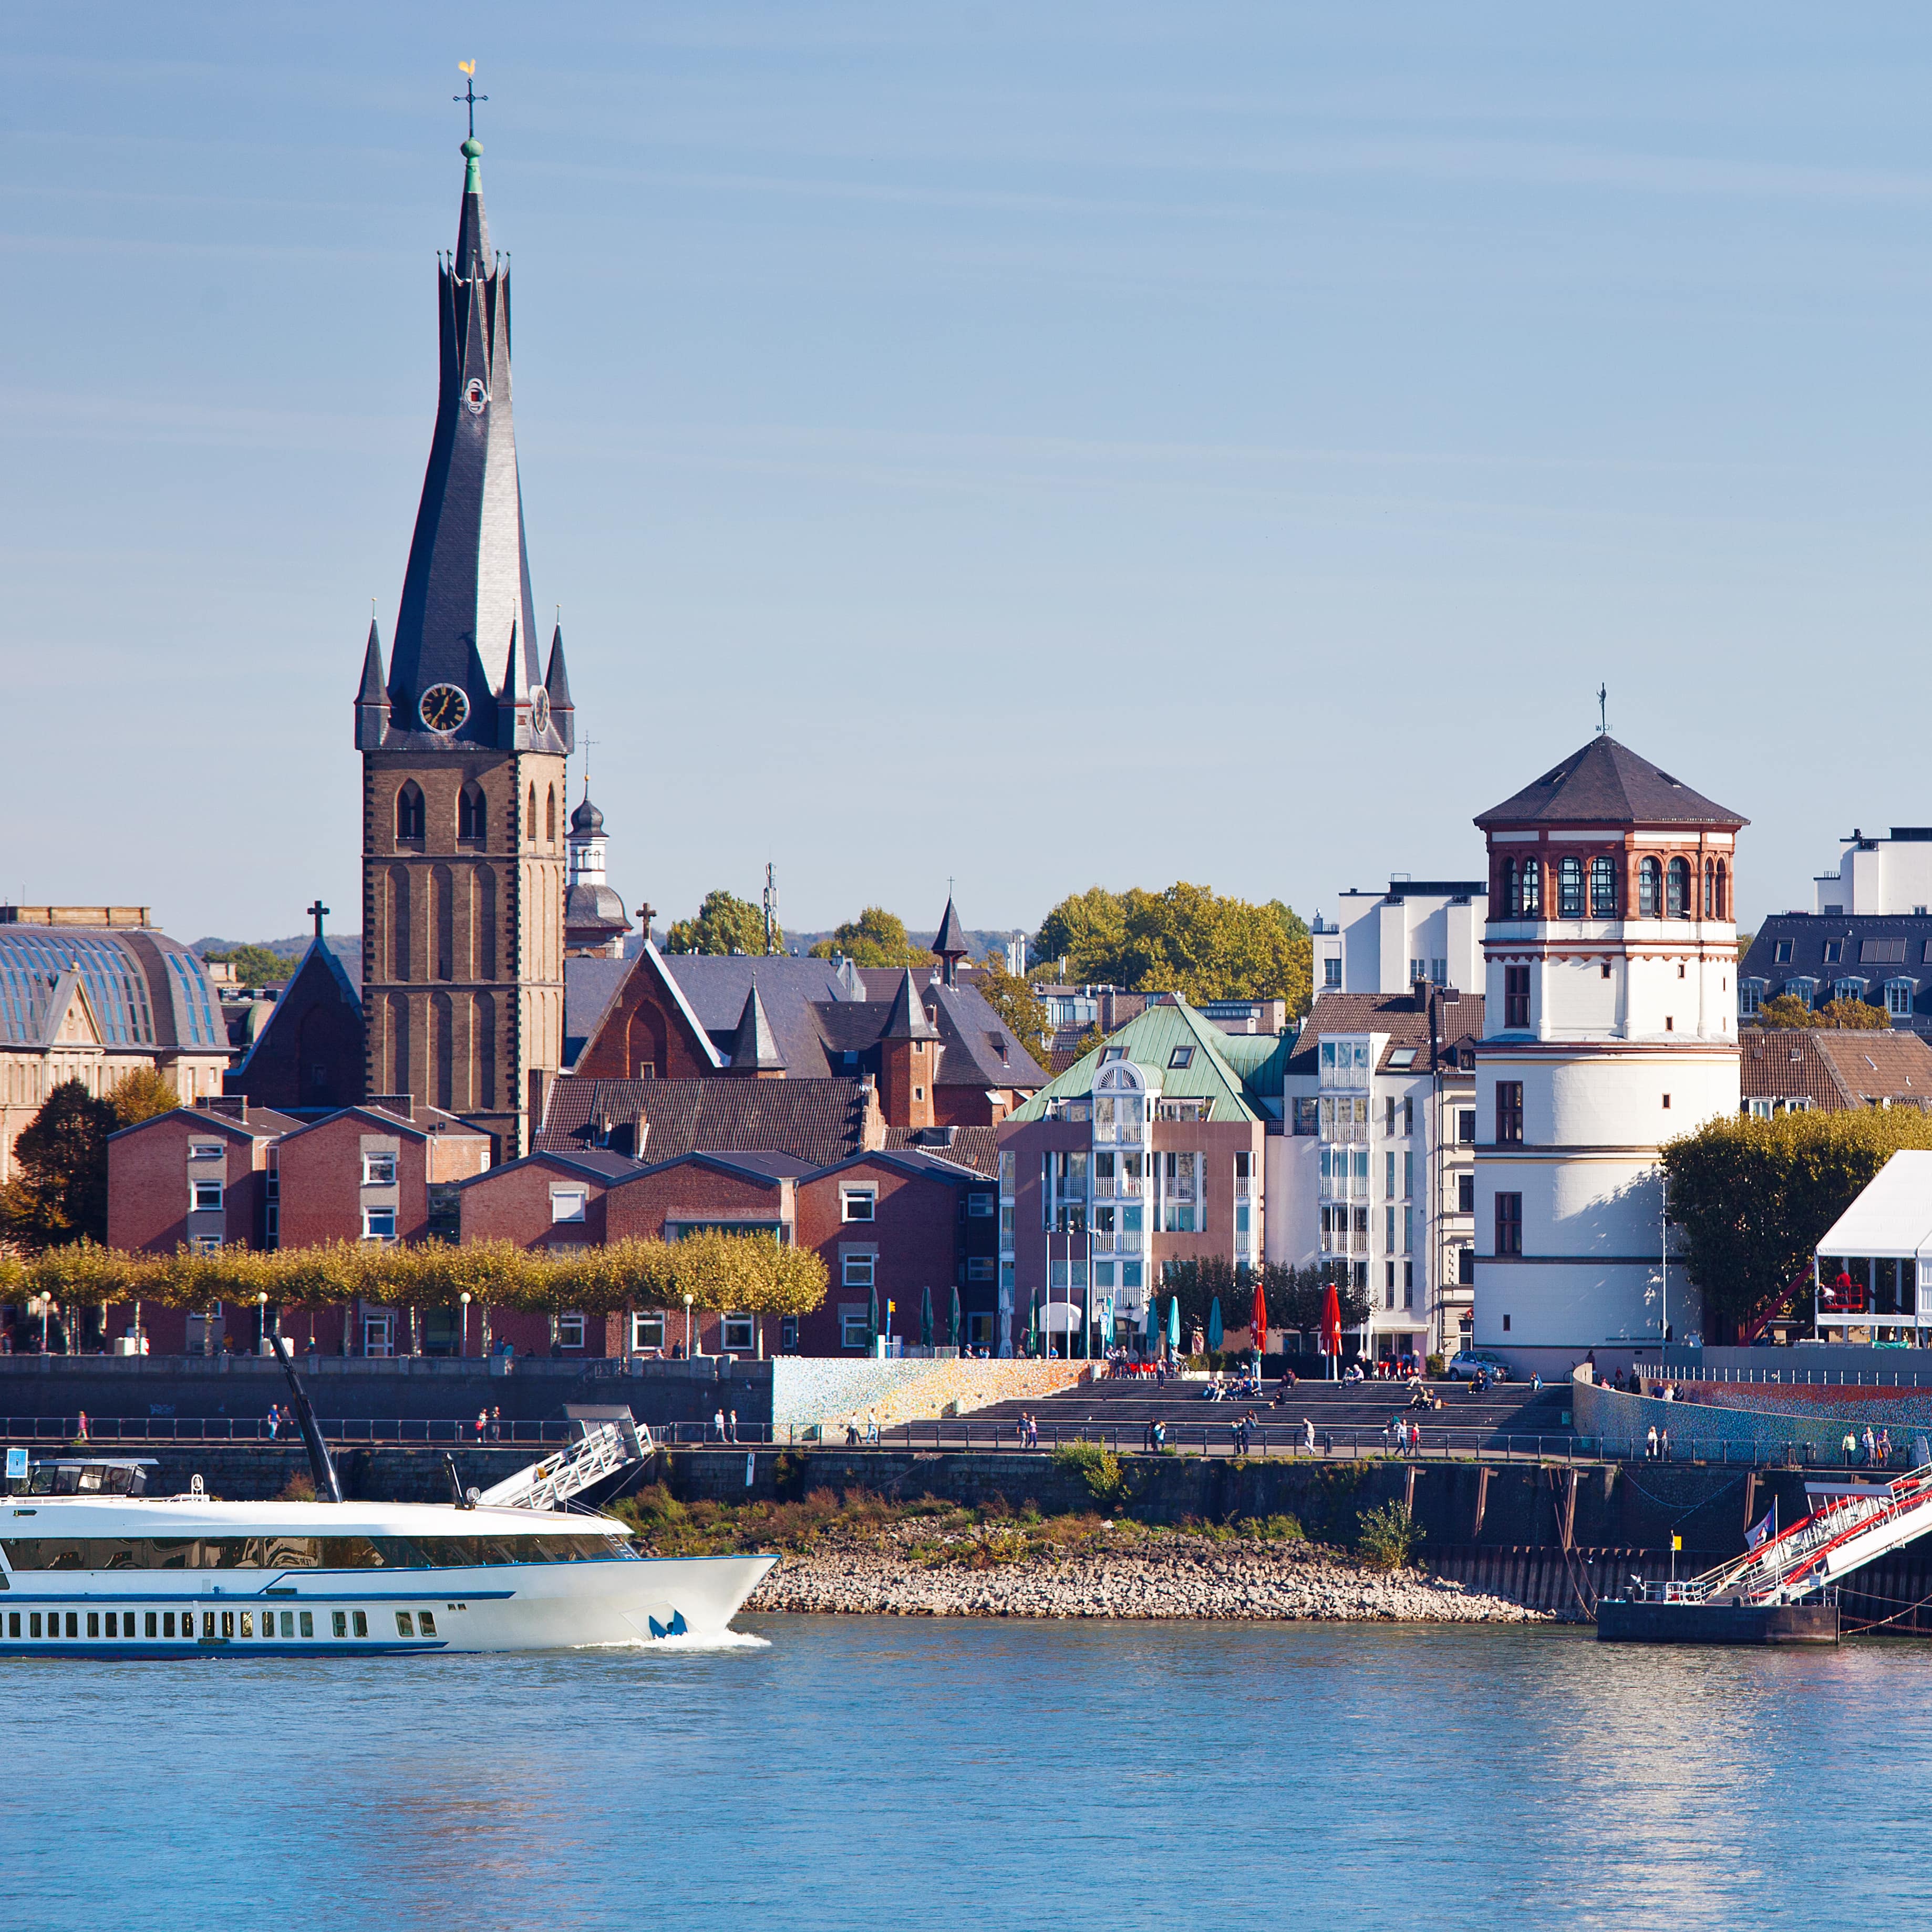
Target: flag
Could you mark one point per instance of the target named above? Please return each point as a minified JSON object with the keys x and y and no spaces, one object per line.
{"x":1766,"y":1527}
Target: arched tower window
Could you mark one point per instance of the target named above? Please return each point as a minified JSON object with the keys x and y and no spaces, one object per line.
{"x":530,"y":817}
{"x":1677,"y":890}
{"x":1512,"y":901}
{"x":1532,"y":888}
{"x":1723,"y":896}
{"x":471,"y":814}
{"x":1603,"y":887}
{"x":1649,"y":889}
{"x":550,"y":816}
{"x":1710,"y":890}
{"x":409,"y":810}
{"x":1569,"y":889}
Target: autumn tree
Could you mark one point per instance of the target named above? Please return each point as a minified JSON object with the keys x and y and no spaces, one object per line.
{"x":1787,"y":1010}
{"x":140,"y":1095}
{"x":1016,"y":1003}
{"x":723,"y":924}
{"x":876,"y":937}
{"x":253,"y":965}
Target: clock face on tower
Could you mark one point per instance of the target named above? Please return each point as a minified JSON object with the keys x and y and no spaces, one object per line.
{"x":539,"y":709}
{"x":444,"y":707}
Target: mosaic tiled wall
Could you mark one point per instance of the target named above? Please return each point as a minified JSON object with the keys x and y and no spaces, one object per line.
{"x":1701,"y":1428}
{"x":807,"y":1391}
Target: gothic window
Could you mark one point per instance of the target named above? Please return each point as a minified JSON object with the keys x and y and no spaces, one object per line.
{"x":471,"y":816}
{"x":550,"y":816}
{"x":1649,"y":889}
{"x":530,"y":817}
{"x":1602,"y":888}
{"x":409,"y":810}
{"x":1510,"y":889}
{"x":1530,"y":903}
{"x":1724,"y":897}
{"x":1569,"y":888}
{"x":1677,"y":890}
{"x":1710,"y":890}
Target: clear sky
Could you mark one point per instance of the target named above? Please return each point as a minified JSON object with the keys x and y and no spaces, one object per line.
{"x":1042,"y":445}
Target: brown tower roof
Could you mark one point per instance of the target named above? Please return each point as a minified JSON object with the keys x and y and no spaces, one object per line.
{"x":1607,"y":783}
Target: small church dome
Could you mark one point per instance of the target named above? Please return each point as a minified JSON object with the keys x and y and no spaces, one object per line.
{"x":586,"y":821}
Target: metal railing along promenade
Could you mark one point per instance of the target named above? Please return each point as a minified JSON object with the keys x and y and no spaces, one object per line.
{"x":106,"y":1431}
{"x":1789,"y":1377}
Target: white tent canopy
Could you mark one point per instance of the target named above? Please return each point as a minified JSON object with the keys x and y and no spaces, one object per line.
{"x":1892,"y":1219}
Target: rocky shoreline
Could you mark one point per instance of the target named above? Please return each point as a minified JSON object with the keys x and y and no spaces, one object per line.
{"x":1174,"y":1574}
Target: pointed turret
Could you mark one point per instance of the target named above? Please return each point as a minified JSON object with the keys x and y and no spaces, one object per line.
{"x":372,"y":700}
{"x":465,"y":650}
{"x":557,"y":687}
{"x":908,"y":1019}
{"x":950,"y":944}
{"x":754,"y":1048}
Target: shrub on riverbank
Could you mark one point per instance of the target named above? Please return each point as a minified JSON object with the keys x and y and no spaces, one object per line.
{"x":1389,"y":1535}
{"x":1099,"y":1465}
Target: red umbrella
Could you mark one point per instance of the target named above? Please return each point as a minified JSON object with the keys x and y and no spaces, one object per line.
{"x":1259,"y":1319}
{"x":1331,"y":1324}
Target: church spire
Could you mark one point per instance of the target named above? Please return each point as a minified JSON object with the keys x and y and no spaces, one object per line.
{"x":465,"y":650}
{"x":372,"y":700}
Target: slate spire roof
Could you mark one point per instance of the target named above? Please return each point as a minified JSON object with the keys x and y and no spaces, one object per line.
{"x":755,"y":1048}
{"x":950,"y":943}
{"x":466,"y":617}
{"x":908,"y":1019}
{"x":1606,"y":783}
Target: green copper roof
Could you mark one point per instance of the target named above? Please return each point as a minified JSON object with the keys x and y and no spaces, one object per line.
{"x":1212,"y":1072}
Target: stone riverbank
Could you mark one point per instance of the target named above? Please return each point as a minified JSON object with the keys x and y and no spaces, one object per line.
{"x":904,"y":1572}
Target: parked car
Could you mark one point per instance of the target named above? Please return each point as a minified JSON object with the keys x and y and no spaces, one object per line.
{"x":1466,"y":1363}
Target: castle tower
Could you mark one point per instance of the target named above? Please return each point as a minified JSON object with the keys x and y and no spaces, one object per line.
{"x":464,"y":744}
{"x":595,"y":921}
{"x":1610,"y":957}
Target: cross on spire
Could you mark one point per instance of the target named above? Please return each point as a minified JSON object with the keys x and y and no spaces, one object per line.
{"x":469,"y":96}
{"x":316,"y":912}
{"x":586,"y":743}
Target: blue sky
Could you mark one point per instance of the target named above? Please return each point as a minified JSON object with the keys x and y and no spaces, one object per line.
{"x":1043,"y":445}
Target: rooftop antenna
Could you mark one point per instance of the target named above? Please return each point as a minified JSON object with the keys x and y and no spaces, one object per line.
{"x":469,"y":96}
{"x":1603,"y":710}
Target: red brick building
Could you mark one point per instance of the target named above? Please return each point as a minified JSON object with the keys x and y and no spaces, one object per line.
{"x":368,"y":1174}
{"x":196,"y":1177}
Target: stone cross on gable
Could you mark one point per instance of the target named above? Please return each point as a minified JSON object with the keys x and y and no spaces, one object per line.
{"x":316,"y":912}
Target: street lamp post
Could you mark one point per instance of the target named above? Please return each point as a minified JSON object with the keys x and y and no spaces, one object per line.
{"x":261,"y":1324}
{"x":687,"y":1327}
{"x":462,"y":1341}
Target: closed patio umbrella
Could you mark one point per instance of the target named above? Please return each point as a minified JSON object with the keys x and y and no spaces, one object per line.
{"x":958,"y":1327}
{"x":1152,"y":1333}
{"x":872,"y":1322}
{"x":1331,"y":1327}
{"x":1033,"y":1322}
{"x":1173,"y":1322}
{"x":1214,"y":1329}
{"x":925,"y":1318}
{"x":1258,"y":1320}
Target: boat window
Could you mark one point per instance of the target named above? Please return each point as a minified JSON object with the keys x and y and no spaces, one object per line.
{"x":34,"y":1624}
{"x":113,"y":1623}
{"x":73,"y":1623}
{"x":94,"y":1623}
{"x":340,"y":1619}
{"x":427,"y":1621}
{"x":227,"y":1625}
{"x":307,"y":1624}
{"x":362,"y":1622}
{"x":247,"y":1623}
{"x":168,"y":1624}
{"x":151,"y":1624}
{"x":14,"y":1623}
{"x":403,"y":1627}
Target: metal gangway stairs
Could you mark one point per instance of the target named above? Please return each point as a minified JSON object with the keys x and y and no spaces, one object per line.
{"x":1851,"y":1524}
{"x":594,"y":1461}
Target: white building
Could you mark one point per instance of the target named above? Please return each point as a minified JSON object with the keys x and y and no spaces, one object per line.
{"x":1610,"y":956}
{"x":1375,"y":1171}
{"x":1385,"y":942}
{"x":1880,"y":875}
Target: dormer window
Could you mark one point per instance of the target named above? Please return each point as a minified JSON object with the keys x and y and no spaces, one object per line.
{"x":1835,"y":951}
{"x":1781,"y":952}
{"x":1181,"y":1058}
{"x":204,"y":1149}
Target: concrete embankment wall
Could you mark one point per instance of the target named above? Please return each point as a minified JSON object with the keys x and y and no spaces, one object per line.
{"x":1702,"y":1428}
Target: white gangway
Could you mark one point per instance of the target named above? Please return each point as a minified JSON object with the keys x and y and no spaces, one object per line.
{"x":599,"y":1453}
{"x":1851,"y":1524}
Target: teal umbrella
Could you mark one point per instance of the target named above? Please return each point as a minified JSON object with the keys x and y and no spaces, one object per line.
{"x":958,"y":1325}
{"x":1173,"y":1322}
{"x":1032,"y":1322}
{"x":1153,"y":1332}
{"x":925,"y":1318}
{"x":872,"y":1322}
{"x":1214,"y":1324}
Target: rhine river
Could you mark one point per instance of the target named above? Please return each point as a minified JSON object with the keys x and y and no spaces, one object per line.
{"x":875,"y":1773}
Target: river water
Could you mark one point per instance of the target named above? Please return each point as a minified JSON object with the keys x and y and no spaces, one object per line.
{"x":878,"y":1773}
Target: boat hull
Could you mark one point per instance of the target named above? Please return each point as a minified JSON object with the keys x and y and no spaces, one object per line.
{"x":500,"y":1607}
{"x":1800,"y":1623}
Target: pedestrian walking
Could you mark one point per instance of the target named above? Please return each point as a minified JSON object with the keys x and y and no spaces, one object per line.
{"x":1850,"y":1446}
{"x":274,"y":1420}
{"x":1308,"y":1435}
{"x":496,"y":1423}
{"x":731,"y":1426}
{"x":1663,"y":1445}
{"x":1650,"y":1445}
{"x":1885,"y":1448}
{"x":83,"y":1436}
{"x":482,"y":1423}
{"x":872,"y":1426}
{"x":1871,"y":1445}
{"x":717,"y":1423}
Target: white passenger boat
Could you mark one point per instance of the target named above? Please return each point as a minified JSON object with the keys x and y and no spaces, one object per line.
{"x":128,"y":1575}
{"x":90,"y":1563}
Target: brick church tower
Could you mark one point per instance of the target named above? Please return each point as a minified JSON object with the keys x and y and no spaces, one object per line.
{"x":464,"y":743}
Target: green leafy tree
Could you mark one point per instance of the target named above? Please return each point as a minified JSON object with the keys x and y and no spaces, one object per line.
{"x":254,"y":965}
{"x":1016,"y":1003}
{"x":60,"y":1193}
{"x":1754,"y":1197}
{"x":1186,"y":939}
{"x":723,"y":924}
{"x":1295,"y":1296}
{"x":876,"y":937}
{"x":1787,"y":1010}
